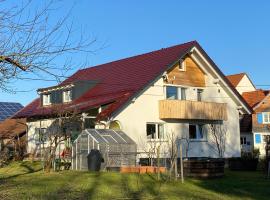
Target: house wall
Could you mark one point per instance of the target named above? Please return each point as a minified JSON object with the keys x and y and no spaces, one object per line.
{"x":259,"y":128}
{"x":133,"y":118}
{"x":33,"y":145}
{"x":260,"y":145}
{"x":249,"y":142}
{"x":245,"y":85}
{"x":192,"y":76}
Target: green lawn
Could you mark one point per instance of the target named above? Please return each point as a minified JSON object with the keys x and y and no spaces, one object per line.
{"x":25,"y":180}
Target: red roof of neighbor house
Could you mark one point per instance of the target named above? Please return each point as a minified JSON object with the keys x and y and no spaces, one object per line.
{"x":235,"y":78}
{"x":254,"y":97}
{"x":10,"y":128}
{"x":118,"y":81}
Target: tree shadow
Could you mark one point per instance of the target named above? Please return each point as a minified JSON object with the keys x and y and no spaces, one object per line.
{"x":28,"y":168}
{"x":239,"y":184}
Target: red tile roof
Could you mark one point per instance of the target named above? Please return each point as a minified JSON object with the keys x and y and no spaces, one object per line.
{"x":10,"y":128}
{"x":254,"y":97}
{"x":235,"y":78}
{"x":119,"y":81}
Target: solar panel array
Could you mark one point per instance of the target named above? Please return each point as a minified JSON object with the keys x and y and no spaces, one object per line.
{"x":7,"y":109}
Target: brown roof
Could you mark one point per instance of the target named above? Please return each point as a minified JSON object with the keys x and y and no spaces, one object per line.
{"x":255,"y":97}
{"x":235,"y":78}
{"x":12,"y":127}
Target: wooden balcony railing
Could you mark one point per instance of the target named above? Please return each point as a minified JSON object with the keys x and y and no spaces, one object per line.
{"x":183,"y":109}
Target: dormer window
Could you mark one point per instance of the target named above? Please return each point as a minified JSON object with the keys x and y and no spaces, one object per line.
{"x":46,"y":99}
{"x":182,"y":65}
{"x":66,"y":96}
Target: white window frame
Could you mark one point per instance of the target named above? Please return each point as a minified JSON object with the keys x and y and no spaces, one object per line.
{"x":67,"y":93}
{"x":157,"y":131}
{"x":179,"y":90}
{"x":204,"y":136}
{"x":266,"y":117}
{"x":46,"y":99}
{"x":182,"y":65}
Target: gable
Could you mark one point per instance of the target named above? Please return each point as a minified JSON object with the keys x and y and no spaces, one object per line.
{"x":191,"y":76}
{"x":264,"y":105}
{"x":245,"y":85}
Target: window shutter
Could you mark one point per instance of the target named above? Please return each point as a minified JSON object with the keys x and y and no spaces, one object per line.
{"x":258,"y":138}
{"x":259,"y":118}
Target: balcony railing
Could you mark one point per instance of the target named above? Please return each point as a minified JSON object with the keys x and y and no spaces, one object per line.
{"x":183,"y":109}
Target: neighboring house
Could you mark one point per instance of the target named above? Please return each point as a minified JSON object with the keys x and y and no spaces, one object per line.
{"x":7,"y":109}
{"x":253,"y":127}
{"x":13,"y":134}
{"x":242,"y":82}
{"x":175,"y":90}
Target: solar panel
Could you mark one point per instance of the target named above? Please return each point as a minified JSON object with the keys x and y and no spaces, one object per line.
{"x":7,"y":109}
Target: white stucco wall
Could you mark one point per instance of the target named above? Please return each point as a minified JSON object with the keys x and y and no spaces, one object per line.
{"x":33,"y":146}
{"x":134,"y":117}
{"x":260,"y":146}
{"x":245,"y":85}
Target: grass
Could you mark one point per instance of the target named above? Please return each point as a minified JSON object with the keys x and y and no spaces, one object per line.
{"x":25,"y":180}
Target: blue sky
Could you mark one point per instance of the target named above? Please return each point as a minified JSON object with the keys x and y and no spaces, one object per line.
{"x":235,"y":34}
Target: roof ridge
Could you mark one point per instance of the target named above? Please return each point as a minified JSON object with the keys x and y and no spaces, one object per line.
{"x":135,"y":56}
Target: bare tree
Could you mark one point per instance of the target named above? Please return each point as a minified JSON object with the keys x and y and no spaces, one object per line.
{"x":59,"y":131}
{"x":217,"y":138}
{"x":172,"y":146}
{"x":35,"y":46}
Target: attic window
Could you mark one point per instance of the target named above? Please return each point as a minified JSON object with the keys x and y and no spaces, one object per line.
{"x":66,"y":96}
{"x":182,"y":65}
{"x":46,"y":99}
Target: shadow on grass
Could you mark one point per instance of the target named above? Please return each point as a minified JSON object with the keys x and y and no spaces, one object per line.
{"x":238,"y":184}
{"x":23,"y":165}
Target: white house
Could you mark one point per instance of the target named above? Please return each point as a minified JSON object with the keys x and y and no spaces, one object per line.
{"x":177,"y":90}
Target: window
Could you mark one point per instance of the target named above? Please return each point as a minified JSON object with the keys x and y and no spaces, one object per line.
{"x":46,"y":99}
{"x":266,"y":117}
{"x":155,"y":131}
{"x":196,"y":131}
{"x":182,"y":65}
{"x":175,"y":93}
{"x":171,"y":92}
{"x":243,"y":140}
{"x":199,"y":94}
{"x":89,"y":123}
{"x":40,"y":135}
{"x":67,"y":96}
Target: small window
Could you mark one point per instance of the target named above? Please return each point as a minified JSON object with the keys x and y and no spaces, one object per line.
{"x":40,"y":135}
{"x":46,"y":99}
{"x":243,"y":140}
{"x":199,"y":94}
{"x":196,"y":132}
{"x":266,"y":117}
{"x":155,"y":131}
{"x":175,"y":93}
{"x":66,"y":96}
{"x":182,"y":65}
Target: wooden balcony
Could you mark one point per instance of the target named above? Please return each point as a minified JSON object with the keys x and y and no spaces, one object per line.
{"x":183,"y":109}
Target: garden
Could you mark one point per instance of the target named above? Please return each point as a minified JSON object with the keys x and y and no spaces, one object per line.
{"x":26,"y":180}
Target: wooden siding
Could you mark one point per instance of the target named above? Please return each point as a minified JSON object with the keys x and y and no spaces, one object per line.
{"x":192,"y":76}
{"x":182,"y":109}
